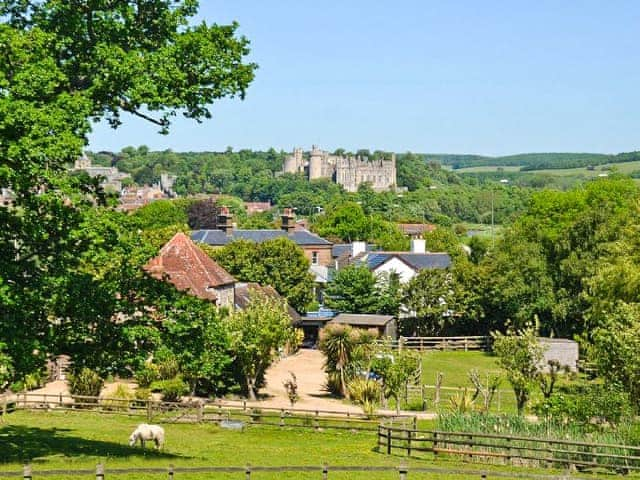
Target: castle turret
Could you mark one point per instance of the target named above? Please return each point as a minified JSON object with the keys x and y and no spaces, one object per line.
{"x":315,"y":163}
{"x":294,"y":163}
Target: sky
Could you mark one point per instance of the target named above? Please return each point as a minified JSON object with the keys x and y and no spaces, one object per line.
{"x":489,"y":77}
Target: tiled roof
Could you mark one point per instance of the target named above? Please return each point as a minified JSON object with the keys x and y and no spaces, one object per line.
{"x":187,"y":267}
{"x":219,"y":238}
{"x":416,"y":228}
{"x":417,"y":261}
{"x":243,"y":297}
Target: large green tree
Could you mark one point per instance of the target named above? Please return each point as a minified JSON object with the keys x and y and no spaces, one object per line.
{"x":65,"y":64}
{"x":279,"y":263}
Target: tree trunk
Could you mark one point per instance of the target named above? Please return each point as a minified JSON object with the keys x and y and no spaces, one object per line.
{"x":251,"y":392}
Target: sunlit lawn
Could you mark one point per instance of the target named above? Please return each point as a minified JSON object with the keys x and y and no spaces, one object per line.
{"x":52,"y":440}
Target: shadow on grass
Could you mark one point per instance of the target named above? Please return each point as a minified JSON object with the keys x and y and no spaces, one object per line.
{"x":21,"y":444}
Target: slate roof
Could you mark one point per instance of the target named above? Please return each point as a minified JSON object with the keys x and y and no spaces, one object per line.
{"x":188,"y":268}
{"x":220,"y":238}
{"x":417,"y":261}
{"x":363,"y":319}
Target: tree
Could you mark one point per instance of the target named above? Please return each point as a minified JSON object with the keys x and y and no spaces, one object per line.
{"x":520,"y":355}
{"x":347,"y":351}
{"x":279,"y":263}
{"x":92,"y":60}
{"x":257,"y":333}
{"x":396,"y":369}
{"x":353,"y":289}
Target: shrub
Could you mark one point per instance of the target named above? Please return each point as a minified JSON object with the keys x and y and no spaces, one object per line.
{"x":148,"y":374}
{"x":141,"y":396}
{"x":366,"y":393}
{"x":119,"y":400}
{"x":86,"y":382}
{"x":172,"y":390}
{"x":167,"y":364}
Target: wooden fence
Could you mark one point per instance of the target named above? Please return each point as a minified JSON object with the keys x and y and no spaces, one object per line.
{"x":506,"y":449}
{"x":232,"y":413}
{"x":324,"y":472}
{"x":482,"y":343}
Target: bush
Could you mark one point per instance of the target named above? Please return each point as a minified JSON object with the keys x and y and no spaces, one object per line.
{"x":586,"y":404}
{"x":366,"y":393}
{"x":86,"y":382}
{"x":118,"y":400}
{"x":141,"y":396}
{"x":148,"y":374}
{"x":167,"y":364}
{"x":172,"y":390}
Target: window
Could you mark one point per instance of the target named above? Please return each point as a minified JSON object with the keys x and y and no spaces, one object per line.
{"x":314,"y":258}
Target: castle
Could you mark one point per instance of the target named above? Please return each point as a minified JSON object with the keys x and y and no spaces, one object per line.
{"x":348,"y":171}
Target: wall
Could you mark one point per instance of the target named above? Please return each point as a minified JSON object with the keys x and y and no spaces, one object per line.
{"x":405,"y":272}
{"x":324,"y":254}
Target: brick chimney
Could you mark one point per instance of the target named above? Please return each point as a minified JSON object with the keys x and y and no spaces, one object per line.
{"x":288,"y":220}
{"x":225,"y":222}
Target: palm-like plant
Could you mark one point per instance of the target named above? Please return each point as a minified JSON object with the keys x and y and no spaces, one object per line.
{"x":346,"y":351}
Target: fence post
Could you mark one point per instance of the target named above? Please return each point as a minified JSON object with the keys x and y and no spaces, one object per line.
{"x":170,"y":472}
{"x":200,"y":412}
{"x":325,"y":471}
{"x":434,"y":444}
{"x":247,"y":472}
{"x":282,"y":417}
{"x":60,"y":400}
{"x":465,"y":344}
{"x":408,"y":443}
{"x":99,"y":472}
{"x":402,"y":470}
{"x":26,"y":472}
{"x":317,"y":421}
{"x":149,"y":408}
{"x":388,"y":441}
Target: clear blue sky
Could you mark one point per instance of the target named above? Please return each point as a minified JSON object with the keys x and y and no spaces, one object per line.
{"x":489,"y":77}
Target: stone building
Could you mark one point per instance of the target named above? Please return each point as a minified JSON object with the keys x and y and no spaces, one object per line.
{"x":112,"y":177}
{"x":348,"y":171}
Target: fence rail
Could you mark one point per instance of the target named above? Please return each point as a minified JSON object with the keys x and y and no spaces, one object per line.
{"x":467,"y":343}
{"x":325,"y":471}
{"x":508,"y":449}
{"x":198,"y":411}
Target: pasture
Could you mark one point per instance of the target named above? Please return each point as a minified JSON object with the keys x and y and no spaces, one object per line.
{"x":80,"y":440}
{"x":622,"y":167}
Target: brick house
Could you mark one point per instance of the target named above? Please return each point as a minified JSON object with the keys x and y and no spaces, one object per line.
{"x":315,"y":248}
{"x":183,"y":264}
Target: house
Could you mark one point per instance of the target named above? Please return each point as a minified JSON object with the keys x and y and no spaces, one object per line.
{"x":385,"y":325}
{"x":183,"y":264}
{"x":315,"y":248}
{"x":405,"y":265}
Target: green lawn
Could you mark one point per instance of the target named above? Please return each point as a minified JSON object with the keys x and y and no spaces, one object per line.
{"x":623,"y":167}
{"x":455,"y":367}
{"x":56,"y":440}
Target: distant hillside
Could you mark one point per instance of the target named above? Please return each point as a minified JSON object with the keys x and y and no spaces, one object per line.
{"x":533,"y":161}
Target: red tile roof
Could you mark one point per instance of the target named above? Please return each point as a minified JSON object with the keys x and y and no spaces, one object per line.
{"x":187,"y":267}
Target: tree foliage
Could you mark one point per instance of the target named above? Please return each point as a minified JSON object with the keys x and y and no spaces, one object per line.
{"x":257,"y":333}
{"x":279,"y":263}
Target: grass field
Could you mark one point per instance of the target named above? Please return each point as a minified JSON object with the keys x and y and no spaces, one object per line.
{"x":53,"y":440}
{"x":455,"y":367}
{"x":623,"y":167}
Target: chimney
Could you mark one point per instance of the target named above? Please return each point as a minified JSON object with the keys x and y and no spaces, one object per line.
{"x":358,"y":248}
{"x":225,"y":220}
{"x":288,"y":220}
{"x":418,"y":245}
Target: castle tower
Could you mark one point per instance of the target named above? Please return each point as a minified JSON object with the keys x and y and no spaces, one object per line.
{"x":294,"y":163}
{"x":315,"y":163}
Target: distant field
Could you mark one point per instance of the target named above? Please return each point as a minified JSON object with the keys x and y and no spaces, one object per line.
{"x":624,"y":167}
{"x":488,"y":168}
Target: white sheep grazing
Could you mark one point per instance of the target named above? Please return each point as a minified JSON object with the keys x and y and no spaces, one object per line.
{"x":146,"y":432}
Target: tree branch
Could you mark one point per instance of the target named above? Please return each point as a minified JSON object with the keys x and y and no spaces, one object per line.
{"x":125,"y":106}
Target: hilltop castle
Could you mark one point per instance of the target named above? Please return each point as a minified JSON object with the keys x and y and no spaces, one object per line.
{"x":348,"y":171}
